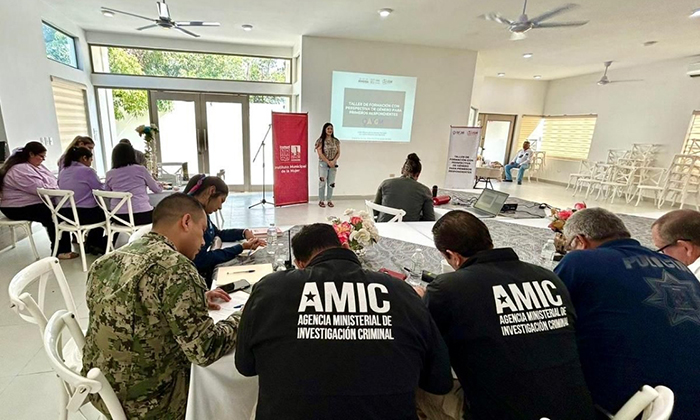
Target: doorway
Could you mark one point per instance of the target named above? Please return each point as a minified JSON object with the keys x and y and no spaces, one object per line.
{"x":496,"y":136}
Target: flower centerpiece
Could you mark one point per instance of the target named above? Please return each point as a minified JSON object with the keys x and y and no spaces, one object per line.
{"x":357,"y":230}
{"x":560,"y":216}
{"x":148,"y":132}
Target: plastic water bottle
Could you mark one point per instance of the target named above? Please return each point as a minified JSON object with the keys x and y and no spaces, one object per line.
{"x":547,"y":255}
{"x":271,"y":239}
{"x":417,"y":264}
{"x":280,"y":257}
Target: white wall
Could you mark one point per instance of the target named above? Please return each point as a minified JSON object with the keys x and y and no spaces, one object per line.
{"x":25,"y":75}
{"x":512,"y":97}
{"x":443,"y":95}
{"x":657,"y":110}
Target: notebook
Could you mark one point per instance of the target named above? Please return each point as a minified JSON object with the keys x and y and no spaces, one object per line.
{"x":251,"y":273}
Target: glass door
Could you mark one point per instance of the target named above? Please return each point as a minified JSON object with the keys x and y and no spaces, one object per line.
{"x":180,"y":139}
{"x":225,"y":138}
{"x":496,"y":136}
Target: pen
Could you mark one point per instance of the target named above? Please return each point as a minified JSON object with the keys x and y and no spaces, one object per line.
{"x":239,"y":272}
{"x":238,"y":306}
{"x":406,"y":269}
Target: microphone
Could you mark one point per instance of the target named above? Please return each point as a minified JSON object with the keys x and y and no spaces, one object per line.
{"x":435,"y":191}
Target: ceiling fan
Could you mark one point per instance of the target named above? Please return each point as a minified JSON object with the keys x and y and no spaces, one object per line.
{"x":164,"y":20}
{"x":605,"y":81}
{"x":523,"y":23}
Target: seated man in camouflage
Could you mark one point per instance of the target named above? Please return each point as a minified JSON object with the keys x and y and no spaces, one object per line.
{"x":148,"y":315}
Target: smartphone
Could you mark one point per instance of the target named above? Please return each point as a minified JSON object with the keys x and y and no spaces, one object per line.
{"x":235,"y":286}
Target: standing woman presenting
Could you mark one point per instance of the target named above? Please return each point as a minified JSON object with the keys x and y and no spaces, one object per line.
{"x":328,"y":149}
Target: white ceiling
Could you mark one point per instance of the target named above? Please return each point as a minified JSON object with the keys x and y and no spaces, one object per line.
{"x":616,"y":31}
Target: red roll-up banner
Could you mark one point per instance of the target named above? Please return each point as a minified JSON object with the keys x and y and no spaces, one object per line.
{"x":290,"y":143}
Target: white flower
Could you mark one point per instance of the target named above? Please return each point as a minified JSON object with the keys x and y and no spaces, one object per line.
{"x":363,"y":214}
{"x":362,"y":236}
{"x":333,"y":219}
{"x":349,"y":212}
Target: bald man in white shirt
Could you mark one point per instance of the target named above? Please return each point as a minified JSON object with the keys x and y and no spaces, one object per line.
{"x":521,"y":161}
{"x":677,"y":234}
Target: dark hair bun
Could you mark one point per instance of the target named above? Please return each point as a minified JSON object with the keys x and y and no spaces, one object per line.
{"x":414,"y":157}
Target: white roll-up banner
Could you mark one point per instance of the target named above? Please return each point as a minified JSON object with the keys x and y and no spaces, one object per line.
{"x":461,"y":158}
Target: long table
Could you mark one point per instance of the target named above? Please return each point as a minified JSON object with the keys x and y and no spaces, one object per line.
{"x":220,"y":391}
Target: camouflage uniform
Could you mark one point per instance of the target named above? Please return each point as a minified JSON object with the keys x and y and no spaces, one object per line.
{"x":148,"y":322}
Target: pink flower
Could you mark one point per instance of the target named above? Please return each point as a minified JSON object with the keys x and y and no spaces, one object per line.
{"x":356,"y":220}
{"x":579,"y":206}
{"x":565,"y":214}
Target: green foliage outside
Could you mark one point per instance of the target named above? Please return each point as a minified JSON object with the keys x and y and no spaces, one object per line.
{"x":186,"y":65}
{"x":59,"y":47}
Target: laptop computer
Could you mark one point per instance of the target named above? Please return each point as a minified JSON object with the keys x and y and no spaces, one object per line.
{"x":488,"y":204}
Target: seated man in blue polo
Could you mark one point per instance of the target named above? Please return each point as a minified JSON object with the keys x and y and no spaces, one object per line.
{"x":638,"y":314}
{"x":522,"y":161}
{"x":334,"y":341}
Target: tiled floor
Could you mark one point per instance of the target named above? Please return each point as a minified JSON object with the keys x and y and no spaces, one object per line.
{"x":28,"y":388}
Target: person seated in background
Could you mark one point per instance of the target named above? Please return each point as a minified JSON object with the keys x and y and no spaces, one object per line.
{"x":78,"y":141}
{"x":211,"y":192}
{"x":79,"y":177}
{"x":677,"y":234}
{"x":522,"y":161}
{"x":406,"y":193}
{"x":334,"y":341}
{"x":128,"y":176}
{"x":509,"y":327}
{"x":638,"y":314}
{"x":20,"y":176}
{"x":148,"y":315}
{"x":140,"y":157}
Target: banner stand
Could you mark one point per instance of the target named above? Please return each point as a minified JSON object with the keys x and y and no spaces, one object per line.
{"x":290,"y":143}
{"x":461,"y":157}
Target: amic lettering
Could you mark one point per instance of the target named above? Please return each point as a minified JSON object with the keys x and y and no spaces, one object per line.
{"x":526,"y":296}
{"x":350,"y":298}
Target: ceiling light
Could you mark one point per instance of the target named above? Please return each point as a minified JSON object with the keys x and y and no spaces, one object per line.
{"x":501,"y":75}
{"x":537,"y":76}
{"x":695,"y":14}
{"x":385,"y":12}
{"x":527,"y":55}
{"x":247,"y":28}
{"x":107,"y":13}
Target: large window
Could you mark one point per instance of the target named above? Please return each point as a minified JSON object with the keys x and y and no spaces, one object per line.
{"x":121,"y":111}
{"x":692,"y":139}
{"x":563,"y":137}
{"x":194,"y":65}
{"x":59,"y":45}
{"x":71,"y":110}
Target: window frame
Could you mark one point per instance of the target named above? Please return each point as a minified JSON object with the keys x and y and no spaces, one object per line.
{"x":72,"y":38}
{"x":97,"y":44}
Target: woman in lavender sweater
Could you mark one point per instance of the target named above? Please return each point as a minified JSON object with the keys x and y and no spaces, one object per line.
{"x":79,"y":177}
{"x":20,"y":176}
{"x":128,"y":176}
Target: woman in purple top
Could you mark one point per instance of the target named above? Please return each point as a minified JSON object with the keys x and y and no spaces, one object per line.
{"x":128,"y":176}
{"x":78,"y":141}
{"x":20,"y":176}
{"x":79,"y":177}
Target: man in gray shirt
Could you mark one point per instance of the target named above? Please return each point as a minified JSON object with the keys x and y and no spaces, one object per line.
{"x":406,"y":193}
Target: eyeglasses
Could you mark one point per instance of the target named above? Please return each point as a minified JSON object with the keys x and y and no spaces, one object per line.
{"x":661,"y":250}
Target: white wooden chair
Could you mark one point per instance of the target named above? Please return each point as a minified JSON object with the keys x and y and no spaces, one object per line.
{"x":397,"y":213}
{"x":651,"y":179}
{"x":652,"y":403}
{"x":683,"y":180}
{"x":116,"y":223}
{"x":77,"y":387}
{"x":537,"y":165}
{"x":67,"y":224}
{"x":34,"y":313}
{"x":21,"y":224}
{"x":620,"y":182}
{"x":585,"y":170}
{"x":140,"y":233}
{"x":601,"y":173}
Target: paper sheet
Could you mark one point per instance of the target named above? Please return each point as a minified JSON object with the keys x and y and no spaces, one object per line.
{"x":238,"y":299}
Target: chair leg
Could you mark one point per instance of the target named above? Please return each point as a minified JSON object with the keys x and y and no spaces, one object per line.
{"x":63,"y":401}
{"x":14,"y":237}
{"x":30,"y":236}
{"x":81,"y":243}
{"x":639,"y":197}
{"x":110,"y":246}
{"x":55,"y":244}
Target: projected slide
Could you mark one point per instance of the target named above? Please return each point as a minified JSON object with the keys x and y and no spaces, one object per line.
{"x":372,"y":107}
